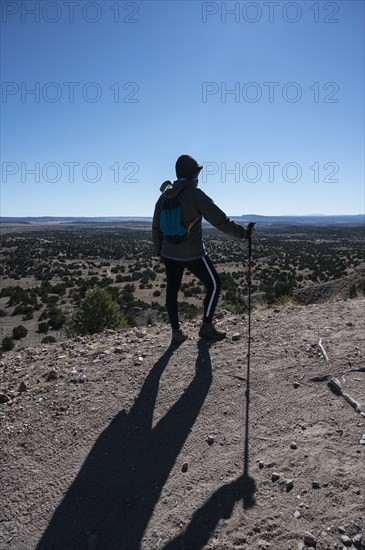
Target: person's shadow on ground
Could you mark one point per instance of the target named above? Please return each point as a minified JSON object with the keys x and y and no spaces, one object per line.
{"x":113,"y":496}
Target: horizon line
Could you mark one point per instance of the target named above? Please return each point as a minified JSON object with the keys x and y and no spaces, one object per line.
{"x":319,"y":215}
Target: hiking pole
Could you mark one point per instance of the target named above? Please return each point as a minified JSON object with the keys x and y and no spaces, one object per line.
{"x":249,"y":274}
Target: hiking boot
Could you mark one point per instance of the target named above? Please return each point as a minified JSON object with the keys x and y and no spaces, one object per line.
{"x":208,"y":330}
{"x":178,"y":337}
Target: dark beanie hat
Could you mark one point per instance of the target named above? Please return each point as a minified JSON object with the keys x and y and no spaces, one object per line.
{"x":186,"y":167}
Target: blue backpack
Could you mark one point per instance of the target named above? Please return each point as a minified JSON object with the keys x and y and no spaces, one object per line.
{"x":174,"y":231}
{"x":170,"y":221}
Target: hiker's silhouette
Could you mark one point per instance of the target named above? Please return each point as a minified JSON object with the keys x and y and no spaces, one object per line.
{"x":120,"y":482}
{"x":221,"y":503}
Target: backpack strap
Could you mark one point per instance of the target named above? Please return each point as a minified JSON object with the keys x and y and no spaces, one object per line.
{"x":193,"y":223}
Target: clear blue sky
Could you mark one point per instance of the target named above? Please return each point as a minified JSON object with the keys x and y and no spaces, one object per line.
{"x":132,"y":85}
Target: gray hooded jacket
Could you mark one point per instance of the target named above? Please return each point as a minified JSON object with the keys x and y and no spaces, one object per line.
{"x":195,"y":205}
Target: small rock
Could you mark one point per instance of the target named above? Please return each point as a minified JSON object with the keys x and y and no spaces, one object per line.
{"x":118,"y":349}
{"x":261,"y":464}
{"x":362,"y":440}
{"x":4,"y":398}
{"x":309,"y":539}
{"x":80,"y":380}
{"x":356,"y":541}
{"x":221,"y":314}
{"x":289,"y":485}
{"x":293,"y":445}
{"x":236,"y":336}
{"x":140,"y":334}
{"x":324,"y":534}
{"x":297,"y":514}
{"x":316,"y":484}
{"x":346,"y":540}
{"x":296,"y":384}
{"x":23,"y":387}
{"x":184,"y":467}
{"x":275,"y":476}
{"x":52,"y":375}
{"x":210,"y":440}
{"x":341,"y":530}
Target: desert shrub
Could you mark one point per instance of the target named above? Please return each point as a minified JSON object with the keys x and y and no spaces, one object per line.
{"x":189,"y":311}
{"x":19,"y":309}
{"x":56,"y":318}
{"x":357,"y":289}
{"x":51,"y":300}
{"x":235,"y":298}
{"x":16,"y":294}
{"x":28,"y":315}
{"x":44,"y":315}
{"x":48,"y":340}
{"x":43,"y":327}
{"x":236,"y":309}
{"x":274,"y":293}
{"x":126,"y":297}
{"x":130,"y":320}
{"x":97,"y":312}
{"x":187,"y":293}
{"x":19,"y":332}
{"x":7,"y":344}
{"x":287,"y":301}
{"x":159,"y":307}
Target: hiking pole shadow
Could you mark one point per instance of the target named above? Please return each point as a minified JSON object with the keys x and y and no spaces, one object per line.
{"x":248,"y":487}
{"x":248,"y":483}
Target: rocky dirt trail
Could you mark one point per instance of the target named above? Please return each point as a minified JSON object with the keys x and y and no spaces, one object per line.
{"x":118,"y":442}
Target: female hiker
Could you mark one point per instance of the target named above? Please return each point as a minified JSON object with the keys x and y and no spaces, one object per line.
{"x":177,"y":239}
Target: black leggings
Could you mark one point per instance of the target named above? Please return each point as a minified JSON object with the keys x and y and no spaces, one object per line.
{"x":203,"y":269}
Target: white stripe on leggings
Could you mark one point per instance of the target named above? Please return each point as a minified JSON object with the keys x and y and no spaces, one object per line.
{"x":214,"y":287}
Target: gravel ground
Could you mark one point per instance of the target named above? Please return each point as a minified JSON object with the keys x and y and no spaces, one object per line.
{"x":118,"y":442}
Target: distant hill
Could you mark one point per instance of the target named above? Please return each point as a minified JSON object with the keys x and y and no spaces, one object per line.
{"x":311,"y":219}
{"x":73,"y":219}
{"x":245,"y":218}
